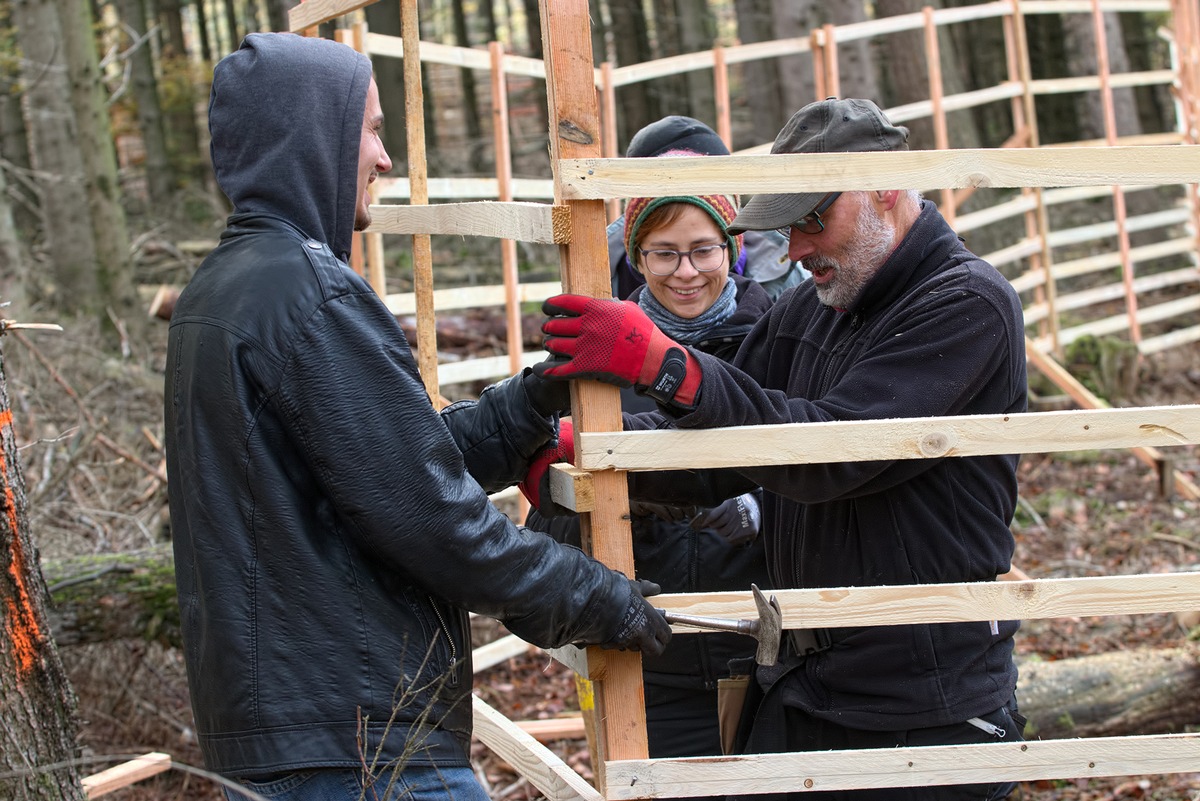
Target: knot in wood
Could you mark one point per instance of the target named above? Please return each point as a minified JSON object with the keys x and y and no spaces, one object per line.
{"x":935,"y":443}
{"x":573,"y":133}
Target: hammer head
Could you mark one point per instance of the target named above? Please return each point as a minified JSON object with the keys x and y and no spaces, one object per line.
{"x":770,"y":628}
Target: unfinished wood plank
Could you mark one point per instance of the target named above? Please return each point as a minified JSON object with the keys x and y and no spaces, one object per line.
{"x":899,"y":438}
{"x":125,"y":774}
{"x":537,"y":763}
{"x":467,"y":188}
{"x":954,"y":603}
{"x":524,"y":222}
{"x":594,"y":178}
{"x":501,"y":650}
{"x":551,"y":729}
{"x":487,"y":368}
{"x":473,"y":58}
{"x":572,"y":488}
{"x":310,"y":13}
{"x":472,"y":297}
{"x":576,"y":134}
{"x":590,"y":664}
{"x":903,"y":767}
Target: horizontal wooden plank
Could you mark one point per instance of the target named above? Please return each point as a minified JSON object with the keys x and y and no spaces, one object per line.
{"x":900,"y":438}
{"x":524,"y":222}
{"x":315,"y":12}
{"x":468,"y":188}
{"x":599,"y":179}
{"x":485,"y":369}
{"x":532,"y":760}
{"x":498,"y":651}
{"x":470,"y":57}
{"x":551,"y":729}
{"x":125,"y":774}
{"x":571,"y":488}
{"x":902,"y":767}
{"x":472,"y":297}
{"x":954,"y":603}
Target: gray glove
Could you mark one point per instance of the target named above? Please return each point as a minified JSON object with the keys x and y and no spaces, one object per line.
{"x":737,"y":520}
{"x":643,"y":628}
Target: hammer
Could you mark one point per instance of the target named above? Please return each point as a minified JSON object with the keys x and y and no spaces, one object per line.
{"x":767,"y":629}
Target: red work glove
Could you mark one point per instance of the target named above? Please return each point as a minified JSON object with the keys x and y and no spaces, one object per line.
{"x":614,"y":341}
{"x":536,"y":486}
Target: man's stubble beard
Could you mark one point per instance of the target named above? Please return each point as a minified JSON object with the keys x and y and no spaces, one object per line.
{"x":872,"y":242}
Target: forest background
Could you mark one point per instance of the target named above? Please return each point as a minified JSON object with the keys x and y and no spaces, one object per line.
{"x":106,"y":193}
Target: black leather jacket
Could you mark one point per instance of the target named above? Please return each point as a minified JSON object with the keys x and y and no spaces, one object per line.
{"x":331,"y":528}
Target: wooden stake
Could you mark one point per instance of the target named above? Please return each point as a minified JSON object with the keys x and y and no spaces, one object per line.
{"x":575,"y":133}
{"x":608,"y":117}
{"x":933,"y":58}
{"x":414,"y":107}
{"x":721,"y":96}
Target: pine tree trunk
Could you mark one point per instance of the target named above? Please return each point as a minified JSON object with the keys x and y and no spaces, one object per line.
{"x":12,"y":266}
{"x":698,"y":31}
{"x":1080,"y":30}
{"x":633,"y":47}
{"x":37,"y":705}
{"x":157,"y":168}
{"x":113,"y":266}
{"x":475,"y":140}
{"x":54,"y":149}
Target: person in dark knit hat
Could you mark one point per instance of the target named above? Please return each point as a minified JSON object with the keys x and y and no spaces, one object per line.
{"x":763,"y":257}
{"x":683,"y":248}
{"x":899,"y":320}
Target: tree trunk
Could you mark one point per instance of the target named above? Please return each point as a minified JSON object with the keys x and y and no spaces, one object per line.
{"x":698,"y":31}
{"x":384,"y":18}
{"x":12,"y":266}
{"x":904,"y":72}
{"x":1080,"y":30}
{"x":55,"y":156}
{"x":475,"y":140}
{"x":114,"y":278}
{"x":37,"y":706}
{"x":132,"y":596}
{"x":206,"y":49}
{"x":1118,"y":693}
{"x":759,"y":83}
{"x":157,"y":168}
{"x":183,"y":134}
{"x":633,"y":47}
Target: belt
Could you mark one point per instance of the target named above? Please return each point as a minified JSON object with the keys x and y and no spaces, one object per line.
{"x":806,"y":642}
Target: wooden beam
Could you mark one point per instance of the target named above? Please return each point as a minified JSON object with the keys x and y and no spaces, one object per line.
{"x":597,"y":179}
{"x":903,"y":767}
{"x":501,"y":650}
{"x":899,"y":438}
{"x":572,"y":488}
{"x":311,"y":13}
{"x":954,"y":603}
{"x":525,"y":222}
{"x":125,"y":774}
{"x":472,"y":297}
{"x":554,"y":778}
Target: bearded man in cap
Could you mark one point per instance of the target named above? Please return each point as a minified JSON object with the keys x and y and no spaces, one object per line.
{"x":899,"y":320}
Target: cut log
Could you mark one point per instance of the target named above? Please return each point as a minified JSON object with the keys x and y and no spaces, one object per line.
{"x":1120,"y":693}
{"x":1147,"y":691}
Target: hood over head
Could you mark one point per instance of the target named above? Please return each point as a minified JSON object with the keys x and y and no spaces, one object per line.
{"x":286,"y":117}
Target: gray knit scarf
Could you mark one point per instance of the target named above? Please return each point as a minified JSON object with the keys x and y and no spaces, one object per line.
{"x":687,"y":332}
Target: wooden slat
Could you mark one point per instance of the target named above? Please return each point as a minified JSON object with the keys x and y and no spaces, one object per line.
{"x":596,"y":179}
{"x":551,"y":729}
{"x":532,"y":760}
{"x":472,"y":297}
{"x":911,"y":767}
{"x":434,"y":53}
{"x":315,"y":12}
{"x":487,"y":368}
{"x":501,"y":650}
{"x":467,"y":188}
{"x":901,"y":438}
{"x":125,"y":774}
{"x":954,"y":603}
{"x":574,"y":486}
{"x":525,"y":222}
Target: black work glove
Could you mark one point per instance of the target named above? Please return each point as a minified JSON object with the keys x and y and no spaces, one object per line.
{"x":547,"y":397}
{"x":642,"y":628}
{"x":737,"y":520}
{"x":671,"y":514}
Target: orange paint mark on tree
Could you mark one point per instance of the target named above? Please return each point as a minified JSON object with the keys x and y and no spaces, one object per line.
{"x":19,"y":618}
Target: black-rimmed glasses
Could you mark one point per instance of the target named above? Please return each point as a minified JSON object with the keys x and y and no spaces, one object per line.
{"x":705,"y":259}
{"x":811,"y":223}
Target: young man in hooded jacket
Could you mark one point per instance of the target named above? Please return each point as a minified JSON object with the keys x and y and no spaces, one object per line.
{"x":898,"y":320}
{"x":331,"y":530}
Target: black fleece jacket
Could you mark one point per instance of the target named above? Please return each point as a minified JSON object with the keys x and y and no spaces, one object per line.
{"x":330,"y":528}
{"x":936,"y":332}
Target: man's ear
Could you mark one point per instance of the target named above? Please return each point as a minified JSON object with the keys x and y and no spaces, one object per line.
{"x":887,"y":198}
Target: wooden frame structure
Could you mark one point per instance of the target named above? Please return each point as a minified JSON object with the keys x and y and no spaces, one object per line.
{"x":584,"y":183}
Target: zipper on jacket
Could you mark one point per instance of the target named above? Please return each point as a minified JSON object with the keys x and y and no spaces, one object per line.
{"x":990,"y":728}
{"x":453,"y":679}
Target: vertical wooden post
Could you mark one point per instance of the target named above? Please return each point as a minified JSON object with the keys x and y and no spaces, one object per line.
{"x":502,"y":143}
{"x":608,"y":139}
{"x":721,"y":97}
{"x":575,"y":133}
{"x":1043,"y":221}
{"x":829,"y":55}
{"x":941,"y":136}
{"x":418,"y":181}
{"x":816,"y":45}
{"x":1186,"y":55}
{"x":1110,"y":138}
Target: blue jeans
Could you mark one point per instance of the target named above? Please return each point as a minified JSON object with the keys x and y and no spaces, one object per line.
{"x":342,"y":784}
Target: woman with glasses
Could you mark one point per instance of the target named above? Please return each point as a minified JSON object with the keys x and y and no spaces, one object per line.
{"x":683,"y":249}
